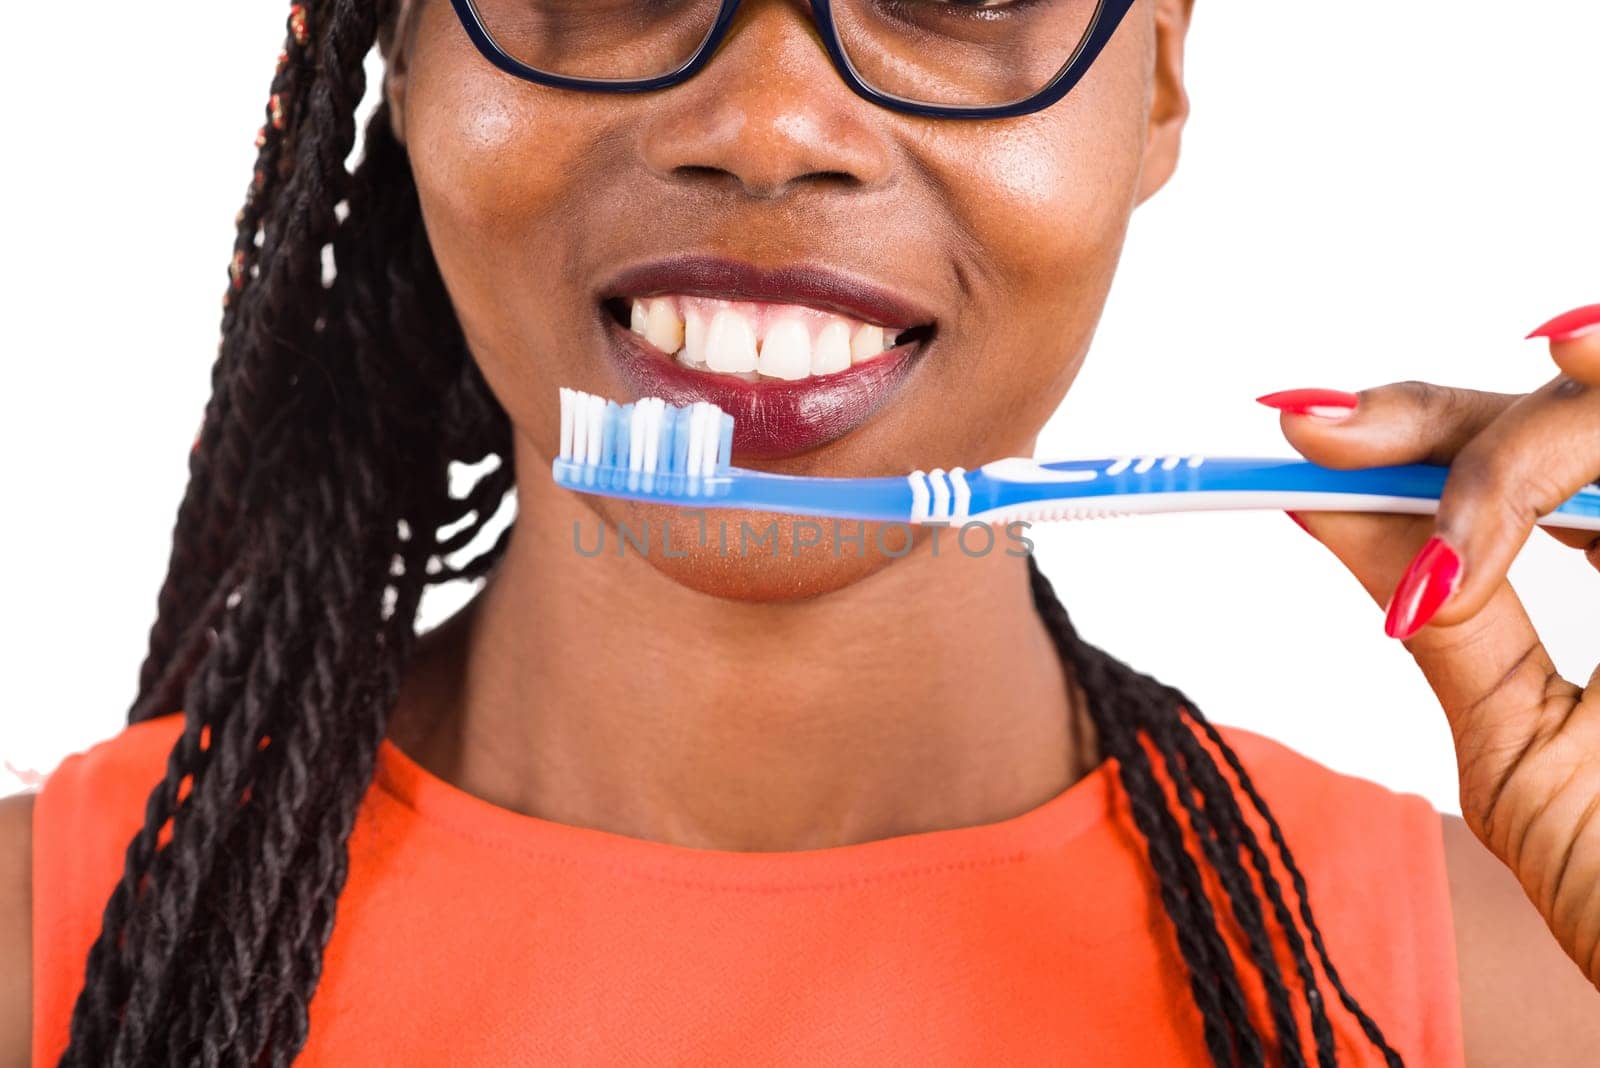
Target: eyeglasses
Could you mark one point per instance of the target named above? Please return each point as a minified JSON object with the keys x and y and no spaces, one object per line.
{"x":970,"y":59}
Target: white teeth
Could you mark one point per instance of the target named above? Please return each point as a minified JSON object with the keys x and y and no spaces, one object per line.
{"x":730,"y":343}
{"x":751,"y":339}
{"x":867,"y":343}
{"x":832,"y":352}
{"x":663,"y":328}
{"x":694,"y":339}
{"x":786,"y":351}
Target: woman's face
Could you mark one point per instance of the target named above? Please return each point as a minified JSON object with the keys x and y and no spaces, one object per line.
{"x":991,"y":242}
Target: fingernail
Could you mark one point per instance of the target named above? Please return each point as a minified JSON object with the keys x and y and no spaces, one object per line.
{"x":1571,"y":325}
{"x":1301,"y":523}
{"x":1431,"y":578}
{"x":1324,"y":403}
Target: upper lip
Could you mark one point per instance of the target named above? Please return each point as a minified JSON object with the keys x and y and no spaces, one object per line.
{"x":797,"y":283}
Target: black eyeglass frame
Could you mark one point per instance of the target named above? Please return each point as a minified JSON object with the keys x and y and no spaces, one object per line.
{"x":1107,"y":17}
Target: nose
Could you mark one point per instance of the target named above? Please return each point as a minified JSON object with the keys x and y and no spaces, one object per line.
{"x":768,"y":113}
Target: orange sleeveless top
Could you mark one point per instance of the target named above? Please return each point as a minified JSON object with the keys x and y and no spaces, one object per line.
{"x":471,"y":935}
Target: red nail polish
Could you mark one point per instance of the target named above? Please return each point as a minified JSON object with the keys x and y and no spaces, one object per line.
{"x":1428,"y":583}
{"x":1301,"y":523}
{"x":1327,"y":403}
{"x":1571,"y":325}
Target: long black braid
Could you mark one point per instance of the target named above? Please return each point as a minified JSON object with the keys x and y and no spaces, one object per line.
{"x":308,"y":532}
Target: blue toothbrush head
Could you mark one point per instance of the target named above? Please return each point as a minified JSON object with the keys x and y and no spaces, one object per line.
{"x":647,"y":446}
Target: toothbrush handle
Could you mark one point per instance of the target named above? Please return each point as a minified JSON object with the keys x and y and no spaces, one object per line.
{"x":1026,"y":489}
{"x":880,"y":499}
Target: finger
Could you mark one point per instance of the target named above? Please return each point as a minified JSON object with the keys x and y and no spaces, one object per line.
{"x":1579,"y":358}
{"x":1575,"y":346}
{"x":1527,"y":462}
{"x":1400,"y":423}
{"x":1575,"y":343}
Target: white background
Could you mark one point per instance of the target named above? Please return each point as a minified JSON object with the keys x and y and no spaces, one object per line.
{"x":1368,"y":194}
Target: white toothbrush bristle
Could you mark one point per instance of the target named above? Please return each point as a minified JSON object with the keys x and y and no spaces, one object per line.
{"x":566,"y":423}
{"x":648,"y":437}
{"x":710,"y":424}
{"x":652,"y":432}
{"x":636,"y":420}
{"x":697,"y":419}
{"x":597,"y":422}
{"x":580,"y":427}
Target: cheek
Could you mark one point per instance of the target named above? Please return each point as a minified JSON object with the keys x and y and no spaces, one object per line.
{"x":1051,"y":199}
{"x":1049,"y":195}
{"x":481,"y":173}
{"x":1025,"y":169}
{"x":498,"y":165}
{"x":1060,"y":177}
{"x":1045,"y":201}
{"x":494,"y":161}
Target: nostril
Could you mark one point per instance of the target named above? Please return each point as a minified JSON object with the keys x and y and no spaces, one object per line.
{"x":775,"y":185}
{"x":694,"y":170}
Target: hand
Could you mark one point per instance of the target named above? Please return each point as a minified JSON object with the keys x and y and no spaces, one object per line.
{"x":1527,"y":740}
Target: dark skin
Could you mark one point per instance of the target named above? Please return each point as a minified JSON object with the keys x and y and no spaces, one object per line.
{"x":546,"y":698}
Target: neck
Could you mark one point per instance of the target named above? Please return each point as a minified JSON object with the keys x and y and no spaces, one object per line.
{"x":600,"y":693}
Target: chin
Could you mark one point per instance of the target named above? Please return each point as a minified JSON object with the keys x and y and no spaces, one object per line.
{"x":755,"y":557}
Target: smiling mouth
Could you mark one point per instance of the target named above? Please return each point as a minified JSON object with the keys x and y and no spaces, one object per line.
{"x":799,"y":355}
{"x":756,"y":341}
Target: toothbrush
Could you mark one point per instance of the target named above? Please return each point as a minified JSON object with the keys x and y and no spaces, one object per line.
{"x":652,"y":451}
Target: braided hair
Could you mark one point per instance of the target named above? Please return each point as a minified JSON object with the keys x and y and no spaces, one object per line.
{"x":313,"y":521}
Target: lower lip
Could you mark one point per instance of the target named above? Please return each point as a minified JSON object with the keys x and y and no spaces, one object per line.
{"x":771,"y":419}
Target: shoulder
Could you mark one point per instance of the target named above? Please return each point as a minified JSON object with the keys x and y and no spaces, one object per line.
{"x":126,"y":764}
{"x":1370,"y":854}
{"x":1367,"y":851}
{"x":83,"y":818}
{"x":16,"y":928}
{"x":1386,"y":866}
{"x":1523,"y":1001}
{"x":1335,"y":815}
{"x":1374,"y":873}
{"x":92,"y":804}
